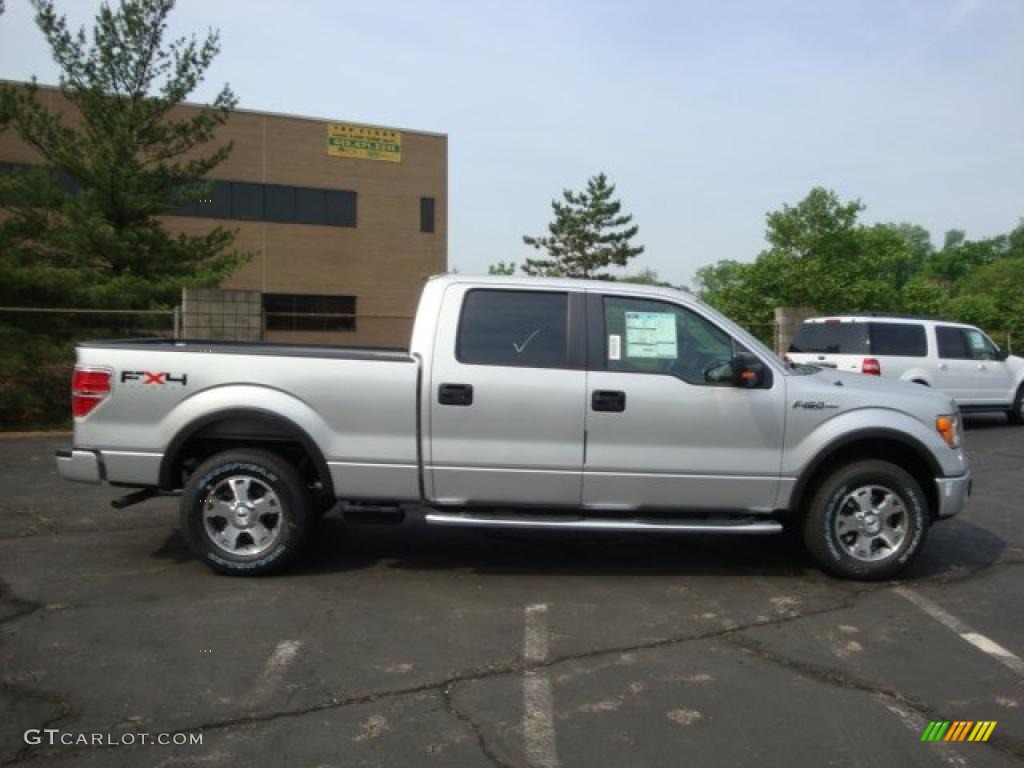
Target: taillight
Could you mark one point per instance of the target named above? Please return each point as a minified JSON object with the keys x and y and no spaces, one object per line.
{"x":89,"y":388}
{"x":871,"y":367}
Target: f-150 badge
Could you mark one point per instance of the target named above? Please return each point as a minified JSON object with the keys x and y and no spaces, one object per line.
{"x":814,"y":405}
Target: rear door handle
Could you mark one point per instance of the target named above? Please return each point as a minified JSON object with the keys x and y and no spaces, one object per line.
{"x":610,"y":400}
{"x":455,"y":394}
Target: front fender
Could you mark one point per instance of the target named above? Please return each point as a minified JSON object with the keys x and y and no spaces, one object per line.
{"x":805,"y":446}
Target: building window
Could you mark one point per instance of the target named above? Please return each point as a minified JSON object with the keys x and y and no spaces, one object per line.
{"x":247,"y":201}
{"x":280,"y":203}
{"x":341,"y":208}
{"x":305,"y":312}
{"x":426,"y":214}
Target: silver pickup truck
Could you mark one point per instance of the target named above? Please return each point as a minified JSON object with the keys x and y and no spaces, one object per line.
{"x":521,"y":403}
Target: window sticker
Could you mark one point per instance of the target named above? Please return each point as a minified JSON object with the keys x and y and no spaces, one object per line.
{"x":614,"y":346}
{"x":651,"y":334}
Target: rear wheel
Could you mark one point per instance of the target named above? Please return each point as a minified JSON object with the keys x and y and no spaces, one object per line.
{"x":246,"y":512}
{"x":866,"y":521}
{"x":1016,"y":413}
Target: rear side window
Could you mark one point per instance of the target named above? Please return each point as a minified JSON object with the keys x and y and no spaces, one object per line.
{"x":831,"y":339}
{"x":526,"y":329}
{"x":899,"y":339}
{"x":952,"y":345}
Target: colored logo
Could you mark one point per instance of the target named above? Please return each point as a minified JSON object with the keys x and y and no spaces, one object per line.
{"x":958,"y":730}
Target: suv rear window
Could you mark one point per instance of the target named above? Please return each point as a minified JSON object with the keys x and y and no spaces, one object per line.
{"x":898,"y":339}
{"x":831,"y":339}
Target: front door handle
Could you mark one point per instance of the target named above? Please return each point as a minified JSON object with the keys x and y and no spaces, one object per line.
{"x":455,"y":394}
{"x":610,"y":400}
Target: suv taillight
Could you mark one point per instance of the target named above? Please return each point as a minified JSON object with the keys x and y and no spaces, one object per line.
{"x":89,"y":388}
{"x":871,"y":367}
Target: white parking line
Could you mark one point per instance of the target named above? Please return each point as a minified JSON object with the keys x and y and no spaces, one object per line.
{"x":538,"y":715}
{"x":274,"y":670}
{"x":1005,"y":657}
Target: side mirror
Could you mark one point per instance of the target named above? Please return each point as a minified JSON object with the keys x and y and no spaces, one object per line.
{"x":748,"y":370}
{"x":1002,"y":354}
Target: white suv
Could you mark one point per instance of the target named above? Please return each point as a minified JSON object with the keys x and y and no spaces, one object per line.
{"x":958,"y":359}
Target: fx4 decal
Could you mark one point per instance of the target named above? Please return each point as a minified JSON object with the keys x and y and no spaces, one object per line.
{"x":147,"y":377}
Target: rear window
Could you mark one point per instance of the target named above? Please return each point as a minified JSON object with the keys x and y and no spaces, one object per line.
{"x":831,"y":339}
{"x":898,"y":339}
{"x":526,"y":329}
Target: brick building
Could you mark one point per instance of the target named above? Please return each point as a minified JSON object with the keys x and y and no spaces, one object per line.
{"x":346,"y":222}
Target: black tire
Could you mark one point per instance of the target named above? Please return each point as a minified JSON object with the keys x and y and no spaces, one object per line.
{"x":834,"y":498}
{"x":284,"y":512}
{"x":1016,"y":413}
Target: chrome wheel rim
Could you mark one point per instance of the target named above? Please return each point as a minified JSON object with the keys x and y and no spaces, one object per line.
{"x":871,"y":523}
{"x":243,"y":516}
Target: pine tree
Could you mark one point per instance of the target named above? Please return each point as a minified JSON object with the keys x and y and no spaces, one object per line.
{"x":80,"y":228}
{"x":589,"y":233}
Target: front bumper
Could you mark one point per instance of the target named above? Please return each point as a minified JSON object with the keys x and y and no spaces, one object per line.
{"x":953,"y":493}
{"x":80,"y":466}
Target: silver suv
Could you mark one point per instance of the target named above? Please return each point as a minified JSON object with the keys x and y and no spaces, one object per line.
{"x":958,"y":359}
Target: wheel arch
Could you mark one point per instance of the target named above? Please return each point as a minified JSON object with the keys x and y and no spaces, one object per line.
{"x":239,"y":427}
{"x":876,"y":443}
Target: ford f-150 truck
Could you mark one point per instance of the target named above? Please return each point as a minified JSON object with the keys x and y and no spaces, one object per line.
{"x":521,"y":403}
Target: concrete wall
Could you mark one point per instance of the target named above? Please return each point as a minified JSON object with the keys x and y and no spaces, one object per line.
{"x":787,"y":322}
{"x":214,"y":313}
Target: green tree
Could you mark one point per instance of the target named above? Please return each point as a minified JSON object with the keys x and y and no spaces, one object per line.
{"x":82,"y":228}
{"x":645,"y":277}
{"x":589,"y":233}
{"x":819,"y":256}
{"x":502,"y":268}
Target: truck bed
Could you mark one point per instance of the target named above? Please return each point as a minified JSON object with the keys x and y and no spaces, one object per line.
{"x":252,"y":348}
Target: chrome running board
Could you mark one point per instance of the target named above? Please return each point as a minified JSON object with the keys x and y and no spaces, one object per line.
{"x":648,"y":525}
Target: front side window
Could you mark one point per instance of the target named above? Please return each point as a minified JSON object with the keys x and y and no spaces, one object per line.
{"x":979,"y":346}
{"x":525,"y":329}
{"x":644,"y":336}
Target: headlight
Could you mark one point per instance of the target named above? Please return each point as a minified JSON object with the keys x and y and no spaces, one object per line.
{"x":948,"y":425}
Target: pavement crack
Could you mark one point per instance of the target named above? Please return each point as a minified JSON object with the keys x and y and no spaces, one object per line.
{"x":11,"y":607}
{"x":449,"y":705}
{"x":19,"y":692}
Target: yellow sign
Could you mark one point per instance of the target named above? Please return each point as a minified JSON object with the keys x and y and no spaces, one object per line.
{"x":364,"y":142}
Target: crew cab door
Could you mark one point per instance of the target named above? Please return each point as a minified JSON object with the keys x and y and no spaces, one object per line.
{"x":506,"y":397}
{"x":661,"y":432}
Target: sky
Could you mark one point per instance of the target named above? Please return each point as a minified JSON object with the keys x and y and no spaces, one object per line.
{"x":705,"y":115}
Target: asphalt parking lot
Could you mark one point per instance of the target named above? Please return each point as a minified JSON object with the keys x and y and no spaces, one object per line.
{"x":416,"y":646}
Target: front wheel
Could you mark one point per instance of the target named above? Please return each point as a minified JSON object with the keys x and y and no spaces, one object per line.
{"x":866,"y":521}
{"x":246,"y":512}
